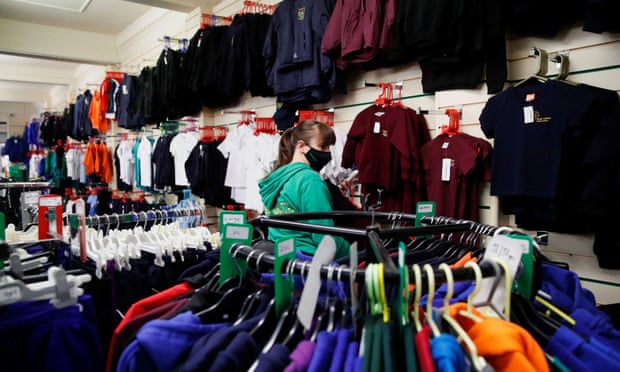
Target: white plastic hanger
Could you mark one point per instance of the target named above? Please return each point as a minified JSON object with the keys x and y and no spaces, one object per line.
{"x":469,"y":313}
{"x":430,"y":277}
{"x":417,"y":277}
{"x":479,"y":362}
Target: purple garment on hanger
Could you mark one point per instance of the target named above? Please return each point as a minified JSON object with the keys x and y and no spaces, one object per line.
{"x":301,"y":357}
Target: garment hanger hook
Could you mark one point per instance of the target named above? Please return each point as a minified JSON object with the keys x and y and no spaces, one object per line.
{"x":478,"y":284}
{"x":417,"y":275}
{"x":449,"y":284}
{"x":430,"y":278}
{"x":260,"y":257}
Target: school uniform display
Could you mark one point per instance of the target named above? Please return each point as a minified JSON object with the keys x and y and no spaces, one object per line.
{"x":397,"y":133}
{"x":554,"y":166}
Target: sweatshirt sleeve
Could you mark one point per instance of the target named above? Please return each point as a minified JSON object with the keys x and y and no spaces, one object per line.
{"x":270,"y":48}
{"x":316,"y":198}
{"x":355,"y":136}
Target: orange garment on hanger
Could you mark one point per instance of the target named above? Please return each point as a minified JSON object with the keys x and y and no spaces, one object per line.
{"x":90,"y":159}
{"x":96,"y":113}
{"x":104,"y":164}
{"x":463,"y":260}
{"x":506,"y":346}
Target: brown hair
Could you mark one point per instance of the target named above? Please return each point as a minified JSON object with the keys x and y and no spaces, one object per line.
{"x":304,"y":131}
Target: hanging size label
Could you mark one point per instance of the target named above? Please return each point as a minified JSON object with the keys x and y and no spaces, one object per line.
{"x":286,"y":247}
{"x":446,"y":165}
{"x":376,"y":128}
{"x":445,"y":145}
{"x":10,"y":295}
{"x":235,"y":217}
{"x":233,"y":233}
{"x":31,"y":197}
{"x":425,"y":208}
{"x":232,"y":218}
{"x":528,"y":114}
{"x":508,"y":250}
{"x":530,"y":97}
{"x":50,"y":201}
{"x":283,"y":284}
{"x":237,"y":232}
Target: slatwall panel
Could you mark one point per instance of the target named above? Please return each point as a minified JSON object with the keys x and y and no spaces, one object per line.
{"x":594,"y":59}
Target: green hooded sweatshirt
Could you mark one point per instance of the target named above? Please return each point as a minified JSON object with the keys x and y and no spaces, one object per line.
{"x":296,"y":187}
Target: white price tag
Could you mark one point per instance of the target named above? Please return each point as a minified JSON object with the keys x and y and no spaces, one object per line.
{"x":232,"y":218}
{"x":79,"y":209}
{"x":508,"y":250}
{"x":286,"y":247}
{"x":238,"y":232}
{"x":31,"y":197}
{"x":446,"y":165}
{"x":376,"y":128}
{"x":50,"y":201}
{"x":425,"y":208}
{"x":10,"y":294}
{"x":528,"y":114}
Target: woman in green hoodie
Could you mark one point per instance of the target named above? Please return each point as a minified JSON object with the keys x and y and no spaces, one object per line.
{"x":296,"y":186}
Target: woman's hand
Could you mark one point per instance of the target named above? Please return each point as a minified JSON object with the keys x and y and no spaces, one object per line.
{"x":348,"y":184}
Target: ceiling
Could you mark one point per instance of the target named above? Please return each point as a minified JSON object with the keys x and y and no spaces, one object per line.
{"x":101,"y":16}
{"x":35,"y":69}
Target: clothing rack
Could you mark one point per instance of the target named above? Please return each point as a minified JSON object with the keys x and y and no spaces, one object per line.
{"x":168,"y":39}
{"x":16,"y":185}
{"x":287,"y":222}
{"x":421,"y":111}
{"x":262,"y":260}
{"x":207,"y":19}
{"x":250,"y":111}
{"x":115,"y":219}
{"x":372,"y":233}
{"x":398,"y":84}
{"x":473,"y":226}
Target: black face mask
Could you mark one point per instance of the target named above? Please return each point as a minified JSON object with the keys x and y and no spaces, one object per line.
{"x":318,"y":159}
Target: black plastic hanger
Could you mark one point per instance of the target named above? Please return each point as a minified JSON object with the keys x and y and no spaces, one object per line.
{"x":265,"y":325}
{"x":227,"y":308}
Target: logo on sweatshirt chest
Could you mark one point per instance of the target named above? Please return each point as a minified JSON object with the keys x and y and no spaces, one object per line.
{"x":301,"y":13}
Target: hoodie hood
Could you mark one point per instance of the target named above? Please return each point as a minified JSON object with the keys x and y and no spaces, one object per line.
{"x":272,"y":185}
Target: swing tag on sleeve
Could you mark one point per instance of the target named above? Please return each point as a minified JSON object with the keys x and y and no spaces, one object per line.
{"x":377,"y":127}
{"x":528,"y":114}
{"x":446,"y":165}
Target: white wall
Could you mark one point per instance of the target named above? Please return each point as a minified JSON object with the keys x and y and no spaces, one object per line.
{"x":18,"y":114}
